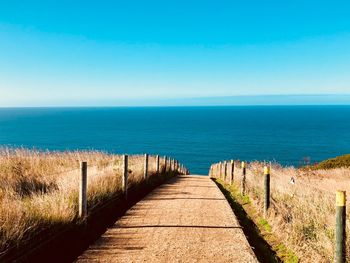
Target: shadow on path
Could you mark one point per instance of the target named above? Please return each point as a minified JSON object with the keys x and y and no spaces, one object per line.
{"x":263,"y":251}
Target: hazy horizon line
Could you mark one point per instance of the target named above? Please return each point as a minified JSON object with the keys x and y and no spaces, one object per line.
{"x":231,"y":100}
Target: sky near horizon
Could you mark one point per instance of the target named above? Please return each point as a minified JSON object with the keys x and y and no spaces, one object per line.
{"x":81,"y":53}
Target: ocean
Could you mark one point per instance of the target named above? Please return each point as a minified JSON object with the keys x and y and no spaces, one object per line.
{"x":196,"y":136}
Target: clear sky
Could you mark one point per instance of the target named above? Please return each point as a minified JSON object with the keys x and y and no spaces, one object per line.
{"x":116,"y":52}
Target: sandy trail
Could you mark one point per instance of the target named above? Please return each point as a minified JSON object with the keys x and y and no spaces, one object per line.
{"x":186,"y":219}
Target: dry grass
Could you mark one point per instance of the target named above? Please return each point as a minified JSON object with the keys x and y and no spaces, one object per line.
{"x":39,"y":190}
{"x":302,"y":215}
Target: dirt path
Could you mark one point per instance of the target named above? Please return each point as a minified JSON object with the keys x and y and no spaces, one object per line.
{"x":185,"y":220}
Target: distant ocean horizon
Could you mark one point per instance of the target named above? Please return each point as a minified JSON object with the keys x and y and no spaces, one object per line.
{"x":196,"y":136}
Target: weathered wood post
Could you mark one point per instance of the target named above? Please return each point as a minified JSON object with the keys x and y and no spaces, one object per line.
{"x":340,"y":219}
{"x":232,"y":171}
{"x":243,"y":178}
{"x":157,"y":164}
{"x":145,"y":167}
{"x":125,"y":176}
{"x":83,"y":190}
{"x":266,"y":189}
{"x":220,"y":170}
{"x":165,"y":164}
{"x":225,"y":170}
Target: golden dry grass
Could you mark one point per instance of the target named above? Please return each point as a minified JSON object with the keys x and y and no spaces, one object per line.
{"x":39,"y":190}
{"x":302,"y":214}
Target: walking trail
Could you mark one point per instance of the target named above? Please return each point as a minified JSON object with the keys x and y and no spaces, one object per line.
{"x":186,"y":219}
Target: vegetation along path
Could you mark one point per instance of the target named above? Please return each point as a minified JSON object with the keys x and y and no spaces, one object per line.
{"x":185,"y":220}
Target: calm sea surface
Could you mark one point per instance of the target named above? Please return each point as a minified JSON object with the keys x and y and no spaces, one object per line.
{"x":197,"y":136}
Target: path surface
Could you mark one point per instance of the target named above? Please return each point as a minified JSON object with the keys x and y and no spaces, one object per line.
{"x":185,"y":220}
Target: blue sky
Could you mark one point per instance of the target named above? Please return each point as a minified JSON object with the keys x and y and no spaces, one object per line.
{"x":76,"y":53}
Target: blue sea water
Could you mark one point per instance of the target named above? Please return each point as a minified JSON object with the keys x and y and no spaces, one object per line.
{"x":196,"y":136}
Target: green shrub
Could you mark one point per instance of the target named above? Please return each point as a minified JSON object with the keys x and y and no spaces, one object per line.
{"x":337,"y":162}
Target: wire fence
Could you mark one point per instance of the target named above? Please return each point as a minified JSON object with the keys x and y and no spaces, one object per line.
{"x":70,"y":195}
{"x":301,"y":213}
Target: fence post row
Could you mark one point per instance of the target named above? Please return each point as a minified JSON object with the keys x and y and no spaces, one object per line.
{"x":243,"y":178}
{"x":340,"y":228}
{"x":266,"y":189}
{"x":125,"y":176}
{"x":174,"y":164}
{"x":340,"y":219}
{"x":83,"y":190}
{"x":145,"y":167}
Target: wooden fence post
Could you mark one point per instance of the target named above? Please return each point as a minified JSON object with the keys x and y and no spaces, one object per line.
{"x":225,"y":171}
{"x":243,"y":178}
{"x":165,"y":164}
{"x":266,"y":189}
{"x":232,"y":171}
{"x":340,"y":238}
{"x":125,"y":176}
{"x":83,"y":190}
{"x":157,"y":164}
{"x":145,"y":167}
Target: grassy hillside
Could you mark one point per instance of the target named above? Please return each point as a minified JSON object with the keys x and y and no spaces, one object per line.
{"x":302,"y":211}
{"x":337,"y":162}
{"x":39,"y":190}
